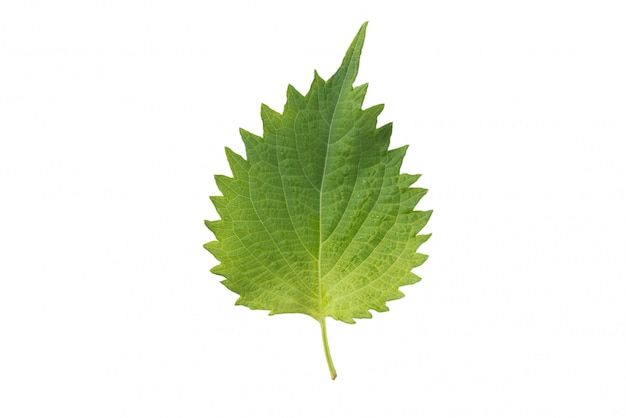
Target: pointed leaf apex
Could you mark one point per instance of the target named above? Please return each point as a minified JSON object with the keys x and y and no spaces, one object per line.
{"x":356,"y":46}
{"x":346,"y":74}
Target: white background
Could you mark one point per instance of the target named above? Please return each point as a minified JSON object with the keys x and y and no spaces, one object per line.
{"x":113,"y":119}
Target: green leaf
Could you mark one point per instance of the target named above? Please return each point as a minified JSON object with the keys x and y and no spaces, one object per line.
{"x":317,"y":219}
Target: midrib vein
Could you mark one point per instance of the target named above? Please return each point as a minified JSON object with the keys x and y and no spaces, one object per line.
{"x":321,"y":238}
{"x":319,"y":247}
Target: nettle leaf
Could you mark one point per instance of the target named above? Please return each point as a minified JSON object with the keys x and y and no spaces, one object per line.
{"x":317,"y":219}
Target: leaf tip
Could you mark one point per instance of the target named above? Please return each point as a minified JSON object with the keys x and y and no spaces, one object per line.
{"x":363,"y":28}
{"x":347,"y":72}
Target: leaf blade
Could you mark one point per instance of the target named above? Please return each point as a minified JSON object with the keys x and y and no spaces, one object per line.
{"x":317,"y":218}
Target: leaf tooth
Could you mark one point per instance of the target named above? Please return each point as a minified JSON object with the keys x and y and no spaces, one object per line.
{"x":411,"y":278}
{"x":358,"y":95}
{"x":220,"y":203}
{"x":407,"y":180}
{"x":295,"y":99}
{"x":251,"y":142}
{"x":316,"y":85}
{"x":224,"y":184}
{"x":417,"y":260}
{"x":418,"y":220}
{"x":348,"y":319}
{"x":374,"y":111}
{"x":379,"y":307}
{"x":238,"y":165}
{"x":420,"y":239}
{"x":317,"y":79}
{"x":382,"y":136}
{"x":395,"y":295}
{"x":412,"y":196}
{"x":383,"y":308}
{"x":367,"y":119}
{"x":219,"y":228}
{"x":220,"y":270}
{"x":215,"y":248}
{"x":212,"y":225}
{"x":271,"y":119}
{"x":210,"y":244}
{"x":366,"y":314}
{"x":236,"y":286}
{"x":394,"y":157}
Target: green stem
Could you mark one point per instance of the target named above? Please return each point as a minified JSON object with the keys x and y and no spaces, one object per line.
{"x":329,"y":359}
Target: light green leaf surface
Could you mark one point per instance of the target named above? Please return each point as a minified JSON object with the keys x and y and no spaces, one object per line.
{"x":317,"y":219}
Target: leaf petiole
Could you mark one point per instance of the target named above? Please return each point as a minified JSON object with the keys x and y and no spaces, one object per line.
{"x":329,"y":359}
